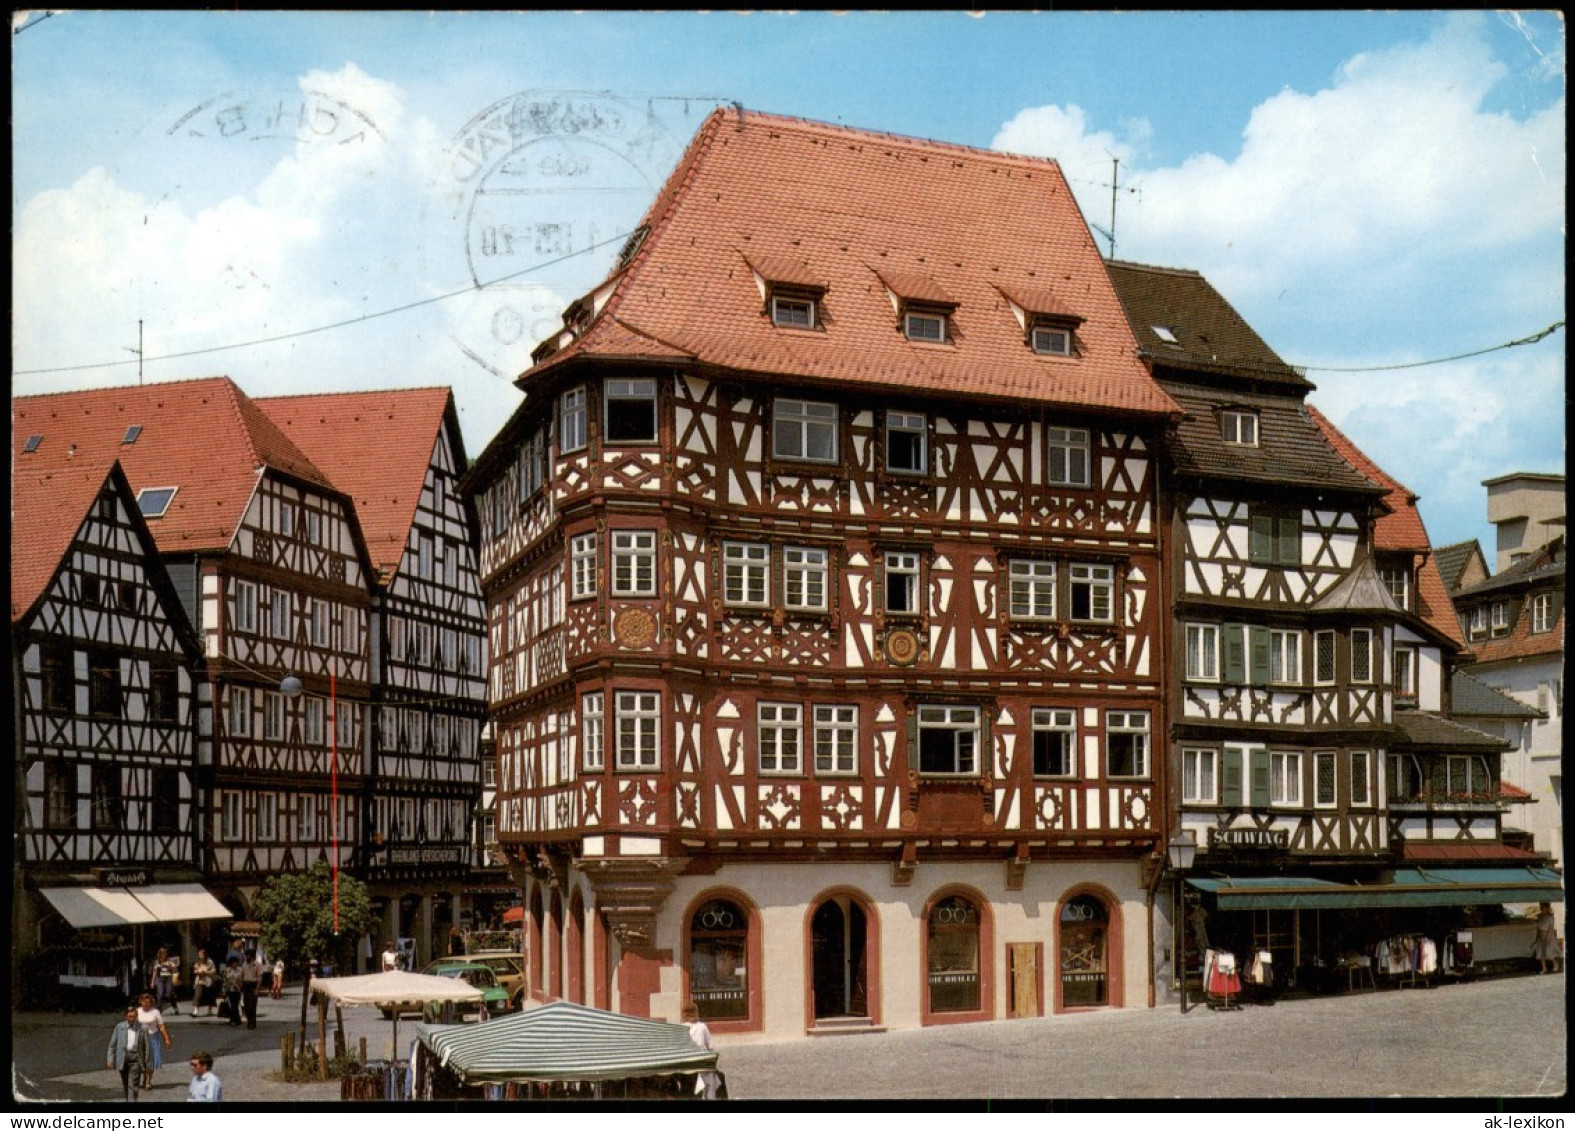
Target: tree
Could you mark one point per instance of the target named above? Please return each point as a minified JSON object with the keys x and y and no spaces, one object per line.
{"x":296,"y":913}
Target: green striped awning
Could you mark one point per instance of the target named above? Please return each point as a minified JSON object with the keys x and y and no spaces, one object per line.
{"x":1398,"y":887}
{"x":564,"y":1042}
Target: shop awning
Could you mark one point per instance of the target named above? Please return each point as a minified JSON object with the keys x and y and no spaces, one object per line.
{"x":125,"y":907}
{"x":1398,"y":887}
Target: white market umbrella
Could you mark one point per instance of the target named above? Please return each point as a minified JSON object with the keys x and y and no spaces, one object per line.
{"x":393,"y":988}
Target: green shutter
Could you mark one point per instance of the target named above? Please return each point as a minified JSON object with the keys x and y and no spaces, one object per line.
{"x":1261,"y":547}
{"x":1258,"y":768}
{"x":913,"y":740}
{"x":1235,"y":653}
{"x":1230,"y":778}
{"x":1290,"y":539}
{"x":1258,"y":657}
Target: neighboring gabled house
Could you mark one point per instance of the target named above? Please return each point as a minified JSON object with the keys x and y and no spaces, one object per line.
{"x":397,"y":454}
{"x":107,"y":786}
{"x":1460,"y":565}
{"x":826,"y":600}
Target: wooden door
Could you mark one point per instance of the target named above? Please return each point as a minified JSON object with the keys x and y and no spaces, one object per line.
{"x":1023,"y":961}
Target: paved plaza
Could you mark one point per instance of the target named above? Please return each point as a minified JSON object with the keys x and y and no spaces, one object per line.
{"x":1495,"y":1038}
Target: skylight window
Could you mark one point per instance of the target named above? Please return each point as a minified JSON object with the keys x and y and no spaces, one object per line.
{"x":154,"y":501}
{"x":131,"y":434}
{"x":1166,"y":335}
{"x":32,"y":443}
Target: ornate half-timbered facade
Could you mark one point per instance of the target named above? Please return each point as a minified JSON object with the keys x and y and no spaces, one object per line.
{"x":398,"y":455}
{"x":105,"y":668}
{"x":825,"y":603}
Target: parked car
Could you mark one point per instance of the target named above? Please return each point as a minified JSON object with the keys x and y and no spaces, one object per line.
{"x":493,"y":996}
{"x":510,"y":970}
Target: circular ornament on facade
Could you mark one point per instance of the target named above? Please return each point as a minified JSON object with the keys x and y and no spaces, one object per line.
{"x":634,"y":628}
{"x":902,"y":646}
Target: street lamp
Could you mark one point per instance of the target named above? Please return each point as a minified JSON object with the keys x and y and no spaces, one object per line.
{"x":291,"y":687}
{"x":1182,"y":850}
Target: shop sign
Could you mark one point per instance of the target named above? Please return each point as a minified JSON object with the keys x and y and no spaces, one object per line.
{"x":1249,"y":838}
{"x":122,"y":877}
{"x":415,"y":855}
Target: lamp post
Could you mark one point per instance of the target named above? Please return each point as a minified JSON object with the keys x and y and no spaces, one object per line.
{"x":1182,"y":849}
{"x":291,"y":687}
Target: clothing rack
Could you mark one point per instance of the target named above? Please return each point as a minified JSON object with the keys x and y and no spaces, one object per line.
{"x":1221,"y":981}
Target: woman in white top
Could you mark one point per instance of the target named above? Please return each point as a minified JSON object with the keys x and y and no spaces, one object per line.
{"x":152,"y":1022}
{"x":700,"y":1034}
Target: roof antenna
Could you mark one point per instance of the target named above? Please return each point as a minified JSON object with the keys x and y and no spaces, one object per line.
{"x":137,"y":351}
{"x":1115,"y":186}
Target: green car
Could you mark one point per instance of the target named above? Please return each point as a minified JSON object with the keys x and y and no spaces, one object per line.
{"x":493,"y":996}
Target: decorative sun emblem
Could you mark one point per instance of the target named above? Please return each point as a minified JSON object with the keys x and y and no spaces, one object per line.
{"x":634,"y":628}
{"x":902,"y":646}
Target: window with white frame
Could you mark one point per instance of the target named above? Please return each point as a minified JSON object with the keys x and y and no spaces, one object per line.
{"x":286,"y":519}
{"x":1542,"y":612}
{"x":240,"y":712}
{"x":1203,"y":652}
{"x":1478,"y":620}
{"x":634,"y":563}
{"x":836,"y":740}
{"x":1055,"y":742}
{"x":906,"y":436}
{"x":306,"y":817}
{"x":1068,"y":451}
{"x":267,"y":816}
{"x":312,"y":720}
{"x":1239,"y":426}
{"x":1323,"y":657}
{"x":924,"y":325}
{"x":582,"y":566}
{"x":279,"y":614}
{"x":793,"y":311}
{"x":1126,"y":744}
{"x":901,"y":576}
{"x":1361,"y":777}
{"x":1361,"y":655}
{"x":629,"y":408}
{"x":230,"y":814}
{"x":1404,"y":671}
{"x":571,"y":420}
{"x":319,"y":623}
{"x":1093,"y":592}
{"x":1285,"y":656}
{"x":1324,"y":763}
{"x":1285,"y":777}
{"x":1055,"y":341}
{"x":1199,"y":775}
{"x":1032,"y":589}
{"x":746,"y":572}
{"x":780,"y":738}
{"x":273,"y":715}
{"x":592,"y":733}
{"x":948,"y":741}
{"x":1397,"y":579}
{"x":1466,"y":776}
{"x":805,"y":574}
{"x":344,"y":724}
{"x":1498,"y":618}
{"x":314,"y":528}
{"x":638,"y":718}
{"x":804,"y":430}
{"x":243,"y":607}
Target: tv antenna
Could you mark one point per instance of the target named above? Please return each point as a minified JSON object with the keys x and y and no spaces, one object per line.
{"x":1115,"y":188}
{"x":137,"y":351}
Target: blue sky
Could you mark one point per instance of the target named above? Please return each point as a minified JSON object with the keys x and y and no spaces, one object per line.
{"x":1369,"y":189}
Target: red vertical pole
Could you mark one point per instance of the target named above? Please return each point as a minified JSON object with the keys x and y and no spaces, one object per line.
{"x":333,"y":770}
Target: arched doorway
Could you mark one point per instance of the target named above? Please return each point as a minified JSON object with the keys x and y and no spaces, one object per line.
{"x":1085,"y":954}
{"x":839,"y":935}
{"x":718,"y":960}
{"x":575,"y":948}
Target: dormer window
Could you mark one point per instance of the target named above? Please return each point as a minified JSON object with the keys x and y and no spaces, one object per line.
{"x":795,"y":312}
{"x":1239,"y":426}
{"x":924,"y":326}
{"x":155,"y":501}
{"x":1055,"y":341}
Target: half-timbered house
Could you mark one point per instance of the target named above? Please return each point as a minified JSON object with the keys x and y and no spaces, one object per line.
{"x":825,"y":597}
{"x":106,"y":787}
{"x":266,"y":556}
{"x":397,"y":454}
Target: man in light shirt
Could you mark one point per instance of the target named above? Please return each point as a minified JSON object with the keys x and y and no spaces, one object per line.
{"x":204,"y":1087}
{"x":128,"y":1046}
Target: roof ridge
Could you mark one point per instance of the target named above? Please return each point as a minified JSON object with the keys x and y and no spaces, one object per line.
{"x":1157,"y":269}
{"x":353,"y":393}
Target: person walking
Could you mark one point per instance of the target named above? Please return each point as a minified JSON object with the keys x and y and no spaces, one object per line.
{"x":390,"y":957}
{"x":232,"y":989}
{"x":277,"y":989}
{"x":128,"y":1048}
{"x":1546,"y":949}
{"x":251,"y":979}
{"x":204,"y":984}
{"x":204,"y":1087}
{"x":152,"y":1022}
{"x":700,"y":1034}
{"x":161,"y":972}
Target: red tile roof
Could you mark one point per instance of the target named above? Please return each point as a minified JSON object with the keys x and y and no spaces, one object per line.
{"x":47,"y":510}
{"x":376,"y":447}
{"x":205,"y":437}
{"x":851,"y":208}
{"x":1401,"y":529}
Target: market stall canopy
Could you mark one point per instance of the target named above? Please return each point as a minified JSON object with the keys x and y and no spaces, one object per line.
{"x":119,"y":907}
{"x":562,"y":1041}
{"x":1399,"y":887}
{"x":394,"y":987}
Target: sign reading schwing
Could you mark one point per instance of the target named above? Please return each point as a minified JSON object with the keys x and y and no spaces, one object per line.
{"x":1248,"y":838}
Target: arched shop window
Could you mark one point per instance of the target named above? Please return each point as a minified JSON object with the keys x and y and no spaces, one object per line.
{"x":953,"y":969}
{"x":718,"y":961}
{"x":1085,"y":941}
